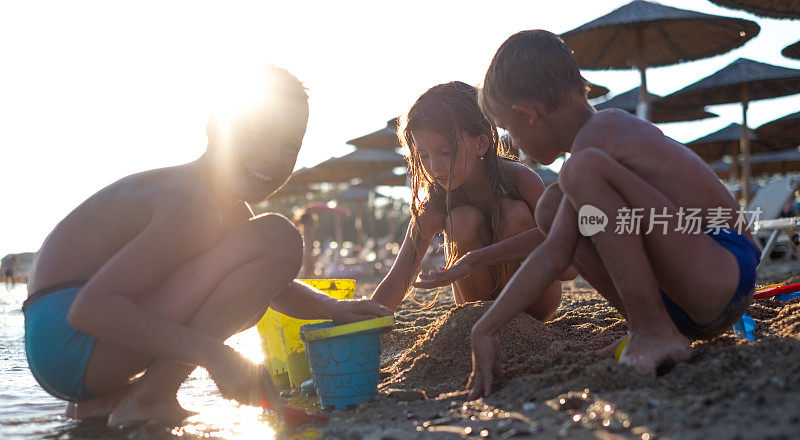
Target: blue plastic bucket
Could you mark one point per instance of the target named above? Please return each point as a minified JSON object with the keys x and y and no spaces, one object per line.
{"x":345,"y":360}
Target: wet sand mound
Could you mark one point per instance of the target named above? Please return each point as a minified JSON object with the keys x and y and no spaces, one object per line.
{"x":440,"y":359}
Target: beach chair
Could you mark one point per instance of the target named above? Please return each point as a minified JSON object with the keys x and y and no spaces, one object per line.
{"x":769,"y":202}
{"x":789,"y":226}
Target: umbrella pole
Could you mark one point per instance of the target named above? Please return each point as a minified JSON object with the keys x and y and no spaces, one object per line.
{"x":735,"y":167}
{"x":643,"y":108}
{"x":744,"y":144}
{"x":337,"y":224}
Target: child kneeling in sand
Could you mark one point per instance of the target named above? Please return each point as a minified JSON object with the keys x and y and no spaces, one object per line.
{"x":463,"y":184}
{"x":152,"y":273}
{"x":672,"y":282}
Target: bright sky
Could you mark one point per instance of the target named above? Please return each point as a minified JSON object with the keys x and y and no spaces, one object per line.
{"x":93,"y":91}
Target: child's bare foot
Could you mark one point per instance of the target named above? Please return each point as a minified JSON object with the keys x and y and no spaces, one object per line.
{"x":649,"y":354}
{"x":130,"y":410}
{"x":99,"y":407}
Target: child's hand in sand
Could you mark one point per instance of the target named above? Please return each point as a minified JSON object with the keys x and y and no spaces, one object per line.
{"x":445,"y":275}
{"x":486,"y":364}
{"x":346,"y":311}
{"x":243,"y":380}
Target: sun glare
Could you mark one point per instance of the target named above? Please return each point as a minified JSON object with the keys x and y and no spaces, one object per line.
{"x":239,"y":91}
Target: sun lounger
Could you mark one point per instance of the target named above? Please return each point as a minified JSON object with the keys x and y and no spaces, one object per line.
{"x":769,"y":203}
{"x":789,"y":226}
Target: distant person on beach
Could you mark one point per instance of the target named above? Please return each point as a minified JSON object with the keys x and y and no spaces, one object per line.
{"x":10,"y":266}
{"x":673,"y":284}
{"x":464,"y":185}
{"x":152,"y":273}
{"x":306,"y":221}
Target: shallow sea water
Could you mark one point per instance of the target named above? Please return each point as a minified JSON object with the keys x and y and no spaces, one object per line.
{"x":27,"y":412}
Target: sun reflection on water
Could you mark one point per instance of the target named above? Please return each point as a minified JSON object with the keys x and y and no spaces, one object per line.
{"x":218,"y":417}
{"x":28,"y":411}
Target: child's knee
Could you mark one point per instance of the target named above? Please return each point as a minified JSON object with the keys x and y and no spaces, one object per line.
{"x":464,"y":224}
{"x":274,"y":237}
{"x":517,"y":218}
{"x":547,"y":206}
{"x":581,"y":168}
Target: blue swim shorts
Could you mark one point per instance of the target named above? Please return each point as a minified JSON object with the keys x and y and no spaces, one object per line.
{"x":748,"y":256}
{"x":57,"y":352}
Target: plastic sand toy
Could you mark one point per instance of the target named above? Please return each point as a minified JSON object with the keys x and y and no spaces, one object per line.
{"x":620,"y":348}
{"x":787,"y":291}
{"x":345,"y":360}
{"x":284,"y":351}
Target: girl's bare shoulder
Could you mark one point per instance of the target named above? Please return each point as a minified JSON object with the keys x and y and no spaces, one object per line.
{"x":520,"y":177}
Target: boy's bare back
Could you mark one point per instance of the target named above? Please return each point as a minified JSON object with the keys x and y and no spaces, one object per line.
{"x":174,"y":205}
{"x":668,"y":166}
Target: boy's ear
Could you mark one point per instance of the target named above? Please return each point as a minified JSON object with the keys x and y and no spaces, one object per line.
{"x":528,"y":111}
{"x":483,"y":144}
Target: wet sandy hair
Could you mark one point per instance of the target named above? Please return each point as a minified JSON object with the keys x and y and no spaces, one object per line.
{"x":450,"y":109}
{"x":531,"y":65}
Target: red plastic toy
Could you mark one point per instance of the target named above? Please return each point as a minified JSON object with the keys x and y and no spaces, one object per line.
{"x":776,"y":290}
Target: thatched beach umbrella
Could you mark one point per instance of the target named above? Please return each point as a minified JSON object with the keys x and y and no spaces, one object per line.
{"x":712,"y":147}
{"x":596,"y":91}
{"x":765,"y":8}
{"x":741,"y":81}
{"x":659,"y":113}
{"x":362,"y":163}
{"x":386,"y":178}
{"x":290,"y":189}
{"x":383,"y":139}
{"x":792,"y":51}
{"x":785,"y":161}
{"x":363,"y":199}
{"x":643,"y":34}
{"x":547,"y":175}
{"x":785,"y":128}
{"x":356,"y":195}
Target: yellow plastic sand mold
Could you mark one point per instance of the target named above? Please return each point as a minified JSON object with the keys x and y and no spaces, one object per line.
{"x":620,"y":348}
{"x":284,"y":351}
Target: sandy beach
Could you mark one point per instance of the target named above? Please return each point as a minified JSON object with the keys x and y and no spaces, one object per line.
{"x":556,"y":386}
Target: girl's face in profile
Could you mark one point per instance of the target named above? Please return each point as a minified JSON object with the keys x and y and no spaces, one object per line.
{"x":436,"y":155}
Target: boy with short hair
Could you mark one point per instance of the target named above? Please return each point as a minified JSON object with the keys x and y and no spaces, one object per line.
{"x":152,"y":273}
{"x":672,"y":284}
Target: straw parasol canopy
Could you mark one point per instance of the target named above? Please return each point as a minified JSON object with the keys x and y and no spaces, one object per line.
{"x":356,"y":195}
{"x":792,"y":51}
{"x":742,"y":81}
{"x":765,"y":8}
{"x":387,"y":178}
{"x":785,"y":128}
{"x":659,"y":113}
{"x":784,"y":161}
{"x":643,"y":34}
{"x":290,"y":189}
{"x":722,"y":142}
{"x":596,"y":91}
{"x":363,"y":163}
{"x":383,"y":139}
